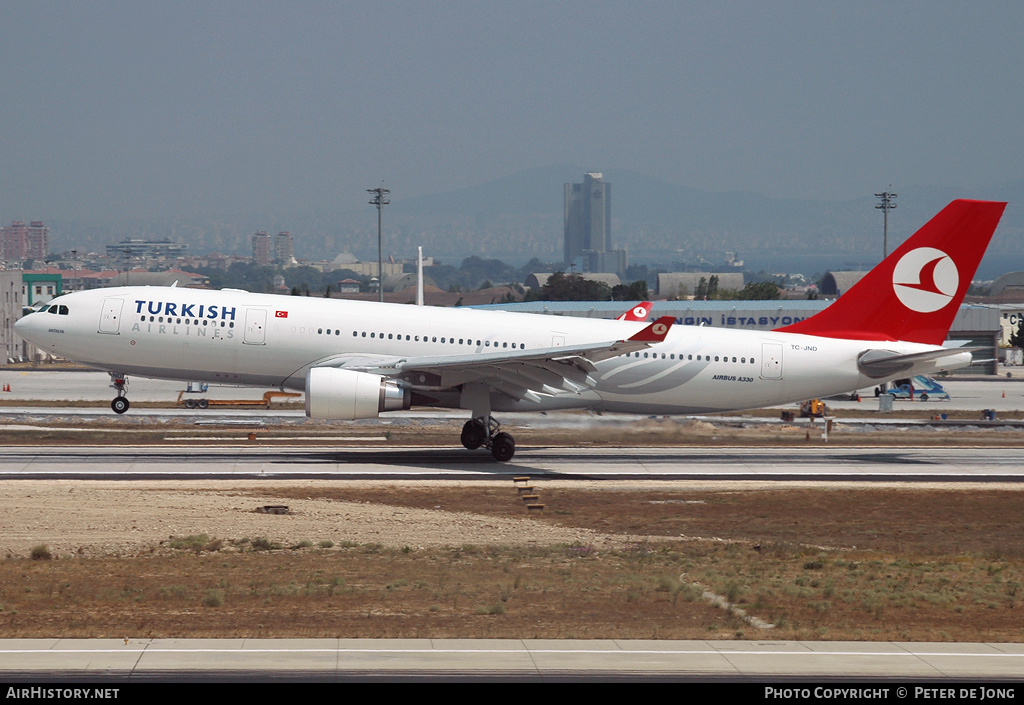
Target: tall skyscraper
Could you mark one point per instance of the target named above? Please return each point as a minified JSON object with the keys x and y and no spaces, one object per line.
{"x":588,"y":216}
{"x":588,"y":226}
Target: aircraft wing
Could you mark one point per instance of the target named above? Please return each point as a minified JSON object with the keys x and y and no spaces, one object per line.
{"x":521,"y":374}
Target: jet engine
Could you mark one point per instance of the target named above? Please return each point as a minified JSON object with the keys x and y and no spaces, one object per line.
{"x":333,"y":393}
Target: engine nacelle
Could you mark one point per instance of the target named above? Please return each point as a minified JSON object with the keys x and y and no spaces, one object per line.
{"x":333,"y":393}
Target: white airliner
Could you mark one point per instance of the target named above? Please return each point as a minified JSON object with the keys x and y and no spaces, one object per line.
{"x":357,"y":359}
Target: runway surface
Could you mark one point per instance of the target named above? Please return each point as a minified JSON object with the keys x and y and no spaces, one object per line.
{"x":804,"y":463}
{"x":334,"y":659}
{"x":37,"y":660}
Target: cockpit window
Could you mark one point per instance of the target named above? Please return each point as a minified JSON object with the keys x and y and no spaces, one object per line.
{"x":63,"y":310}
{"x":43,"y":309}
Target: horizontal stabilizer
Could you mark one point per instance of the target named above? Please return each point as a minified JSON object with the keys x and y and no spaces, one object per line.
{"x":884,"y":363}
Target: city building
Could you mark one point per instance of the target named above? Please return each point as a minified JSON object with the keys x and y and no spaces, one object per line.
{"x":10,"y":311}
{"x":39,"y":287}
{"x":261,"y":248}
{"x":283,"y":248}
{"x":683,"y":285}
{"x":21,"y":242}
{"x":588,"y":215}
{"x":132,"y":249}
{"x":588,"y":223}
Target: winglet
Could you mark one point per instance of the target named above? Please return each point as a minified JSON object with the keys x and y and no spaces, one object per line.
{"x":656,"y":332}
{"x":638,"y":312}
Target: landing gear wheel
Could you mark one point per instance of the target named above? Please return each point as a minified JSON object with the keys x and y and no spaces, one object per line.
{"x":503,"y":447}
{"x":120,"y":405}
{"x":473,"y":434}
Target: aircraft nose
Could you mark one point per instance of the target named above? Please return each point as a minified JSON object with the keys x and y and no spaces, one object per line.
{"x":25,"y":325}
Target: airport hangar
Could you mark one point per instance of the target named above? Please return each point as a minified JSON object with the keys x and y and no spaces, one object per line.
{"x":974,"y":326}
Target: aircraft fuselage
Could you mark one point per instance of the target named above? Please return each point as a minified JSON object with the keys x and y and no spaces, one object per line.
{"x":235,"y":337}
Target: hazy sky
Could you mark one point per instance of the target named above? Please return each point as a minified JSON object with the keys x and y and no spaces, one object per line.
{"x":193,"y":108}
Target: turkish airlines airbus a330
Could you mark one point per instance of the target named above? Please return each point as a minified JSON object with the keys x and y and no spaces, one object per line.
{"x":357,"y":359}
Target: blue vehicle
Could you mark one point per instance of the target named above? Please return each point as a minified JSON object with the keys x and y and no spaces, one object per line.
{"x":921,"y":387}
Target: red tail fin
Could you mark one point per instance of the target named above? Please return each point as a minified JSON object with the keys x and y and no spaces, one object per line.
{"x":656,"y":332}
{"x":916,"y":291}
{"x":637,"y":313}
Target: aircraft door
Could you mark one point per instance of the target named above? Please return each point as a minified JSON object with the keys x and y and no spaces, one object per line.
{"x":255,"y":326}
{"x":110,"y":316}
{"x":771,"y":360}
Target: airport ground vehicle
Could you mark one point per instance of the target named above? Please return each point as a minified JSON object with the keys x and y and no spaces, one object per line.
{"x":920,"y":387}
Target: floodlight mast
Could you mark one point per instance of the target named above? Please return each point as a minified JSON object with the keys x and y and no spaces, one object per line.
{"x":887,"y":203}
{"x":380,"y":199}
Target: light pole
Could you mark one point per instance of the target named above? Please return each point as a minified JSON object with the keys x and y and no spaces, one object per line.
{"x":380,"y":199}
{"x":887,"y":204}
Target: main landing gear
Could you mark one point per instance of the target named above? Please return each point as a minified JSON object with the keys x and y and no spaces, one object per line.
{"x":483,"y":431}
{"x":120,"y":403}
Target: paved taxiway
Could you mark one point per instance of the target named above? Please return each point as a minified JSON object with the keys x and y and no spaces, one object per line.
{"x":147,"y":659}
{"x":814,"y":463}
{"x":973,"y":393}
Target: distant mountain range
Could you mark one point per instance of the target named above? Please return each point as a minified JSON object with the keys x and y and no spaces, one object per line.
{"x":518,"y":217}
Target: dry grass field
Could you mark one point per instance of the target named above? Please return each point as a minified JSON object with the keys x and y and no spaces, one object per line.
{"x":673,"y":560}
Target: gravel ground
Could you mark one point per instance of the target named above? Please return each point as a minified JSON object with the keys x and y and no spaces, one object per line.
{"x":126,"y":518}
